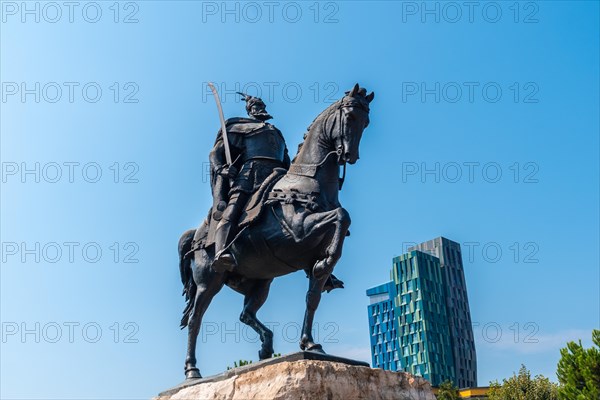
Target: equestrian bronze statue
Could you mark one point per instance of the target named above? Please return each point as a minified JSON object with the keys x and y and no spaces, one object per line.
{"x":271,"y":217}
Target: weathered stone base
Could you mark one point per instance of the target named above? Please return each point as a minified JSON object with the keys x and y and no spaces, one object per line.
{"x":306,"y":379}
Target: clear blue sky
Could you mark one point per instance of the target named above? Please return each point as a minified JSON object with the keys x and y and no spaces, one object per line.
{"x":540,"y":132}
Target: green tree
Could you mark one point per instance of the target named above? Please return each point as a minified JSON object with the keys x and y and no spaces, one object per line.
{"x":523,"y":387}
{"x":579,"y":370}
{"x":240,"y":364}
{"x":447,"y":391}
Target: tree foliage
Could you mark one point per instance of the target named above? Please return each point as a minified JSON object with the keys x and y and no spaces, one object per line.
{"x":579,"y":370}
{"x":240,"y":364}
{"x":447,"y":391}
{"x":523,"y":387}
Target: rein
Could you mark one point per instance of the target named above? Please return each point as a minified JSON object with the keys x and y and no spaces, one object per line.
{"x":310,"y":170}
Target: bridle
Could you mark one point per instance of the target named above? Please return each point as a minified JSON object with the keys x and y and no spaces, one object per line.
{"x":310,"y":170}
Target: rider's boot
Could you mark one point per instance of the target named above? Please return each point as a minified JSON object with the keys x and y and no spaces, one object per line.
{"x":224,"y":260}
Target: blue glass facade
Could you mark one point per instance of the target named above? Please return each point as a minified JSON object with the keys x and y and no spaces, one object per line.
{"x":384,"y":339}
{"x":411,"y":328}
{"x":457,"y":308}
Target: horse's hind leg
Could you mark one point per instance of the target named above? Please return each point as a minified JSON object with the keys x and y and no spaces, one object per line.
{"x":255,"y":296}
{"x":209,"y":284}
{"x":313,"y":298}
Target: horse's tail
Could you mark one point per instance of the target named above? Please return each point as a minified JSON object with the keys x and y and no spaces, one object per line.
{"x":187,"y":276}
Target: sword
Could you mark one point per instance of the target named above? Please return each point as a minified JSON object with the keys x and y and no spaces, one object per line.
{"x":223,"y":128}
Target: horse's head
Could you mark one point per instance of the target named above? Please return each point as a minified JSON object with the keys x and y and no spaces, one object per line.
{"x":354,"y":118}
{"x":338,"y":129}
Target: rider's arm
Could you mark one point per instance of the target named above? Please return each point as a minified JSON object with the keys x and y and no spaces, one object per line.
{"x":286,"y":159}
{"x":218,"y":160}
{"x":217,"y":155}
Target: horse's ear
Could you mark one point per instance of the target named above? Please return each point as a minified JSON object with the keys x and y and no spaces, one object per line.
{"x":354,"y":91}
{"x":370,"y":97}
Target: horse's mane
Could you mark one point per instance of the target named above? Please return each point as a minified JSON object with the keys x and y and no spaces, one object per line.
{"x":323,"y":116}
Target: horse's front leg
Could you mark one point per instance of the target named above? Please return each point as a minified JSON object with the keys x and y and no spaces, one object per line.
{"x":335,"y":224}
{"x":333,"y":252}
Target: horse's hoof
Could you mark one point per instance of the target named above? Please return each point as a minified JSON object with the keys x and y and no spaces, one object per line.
{"x":308,"y":345}
{"x":332,"y":283}
{"x":316,"y":348}
{"x":193,"y":373}
{"x":263,"y":355}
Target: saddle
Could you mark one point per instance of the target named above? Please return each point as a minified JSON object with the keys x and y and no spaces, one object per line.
{"x":252,"y":211}
{"x":255,"y":206}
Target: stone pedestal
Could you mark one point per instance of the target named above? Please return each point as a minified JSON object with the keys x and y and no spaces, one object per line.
{"x":304,"y":376}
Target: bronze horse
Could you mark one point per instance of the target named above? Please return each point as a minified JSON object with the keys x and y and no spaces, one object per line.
{"x":302,"y":227}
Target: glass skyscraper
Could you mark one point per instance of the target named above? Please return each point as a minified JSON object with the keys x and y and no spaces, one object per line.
{"x":420,"y":322}
{"x":457,"y":307}
{"x":382,"y":326}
